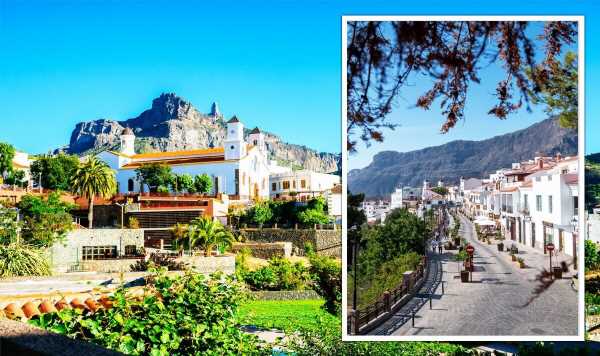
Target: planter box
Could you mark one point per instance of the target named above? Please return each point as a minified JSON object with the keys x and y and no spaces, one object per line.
{"x":557,"y":272}
{"x":500,"y":247}
{"x":514,"y":258}
{"x":464,"y":276}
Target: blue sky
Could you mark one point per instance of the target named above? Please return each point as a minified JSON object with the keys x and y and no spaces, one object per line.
{"x":274,"y":64}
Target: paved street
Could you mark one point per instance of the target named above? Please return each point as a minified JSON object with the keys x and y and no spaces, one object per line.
{"x":495,"y":302}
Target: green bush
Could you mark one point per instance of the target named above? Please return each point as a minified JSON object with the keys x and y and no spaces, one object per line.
{"x":158,"y":260}
{"x":326,"y":339}
{"x":592,"y":257}
{"x":22,"y":260}
{"x":280,"y":274}
{"x":182,"y":315}
{"x":388,"y":277}
{"x":327,"y":278}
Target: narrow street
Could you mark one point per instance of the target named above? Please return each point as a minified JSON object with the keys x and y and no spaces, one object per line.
{"x":495,"y":302}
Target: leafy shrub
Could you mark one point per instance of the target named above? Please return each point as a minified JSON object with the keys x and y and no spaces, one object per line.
{"x":388,"y":277}
{"x":280,"y":274}
{"x":183,"y":315}
{"x":326,"y":339}
{"x":22,"y":260}
{"x":327,"y":279}
{"x":158,"y":260}
{"x":592,"y":257}
{"x":133,"y":223}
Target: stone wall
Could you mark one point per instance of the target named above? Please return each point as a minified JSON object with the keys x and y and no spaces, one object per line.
{"x":265,"y":250}
{"x":211,"y":264}
{"x":66,"y":255}
{"x":326,"y":242}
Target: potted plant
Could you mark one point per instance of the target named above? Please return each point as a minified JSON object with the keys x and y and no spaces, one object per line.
{"x":521,"y":262}
{"x":489,"y":242}
{"x":500,"y":247}
{"x":461,"y":257}
{"x":557,"y":270}
{"x":513,"y":256}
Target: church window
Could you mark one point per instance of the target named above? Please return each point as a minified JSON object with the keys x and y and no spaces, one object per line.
{"x":286,"y":184}
{"x":130,"y":185}
{"x":274,"y":186}
{"x":232,"y":147}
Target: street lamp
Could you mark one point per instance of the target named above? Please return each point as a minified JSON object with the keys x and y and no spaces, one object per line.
{"x":575,"y":226}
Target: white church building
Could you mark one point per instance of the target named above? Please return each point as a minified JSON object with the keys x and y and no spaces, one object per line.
{"x":238,"y":168}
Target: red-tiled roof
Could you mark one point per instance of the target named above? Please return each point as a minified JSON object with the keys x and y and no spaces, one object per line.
{"x":572,"y":179}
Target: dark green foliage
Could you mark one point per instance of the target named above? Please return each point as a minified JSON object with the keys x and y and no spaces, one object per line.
{"x":592,"y":257}
{"x":356,"y":217}
{"x":315,"y":212}
{"x":158,"y":260}
{"x":560,"y":94}
{"x":592,"y":181}
{"x":154,"y":175}
{"x":47,"y":220}
{"x":184,"y":315}
{"x":327,"y":277}
{"x":287,"y":213}
{"x":260,"y":213}
{"x":389,"y":249}
{"x":182,"y":183}
{"x":56,"y":171}
{"x":326,"y":339}
{"x":280,"y":274}
{"x":440,"y":190}
{"x":550,"y":349}
{"x":7,"y":153}
{"x":16,"y":177}
{"x":202,"y":183}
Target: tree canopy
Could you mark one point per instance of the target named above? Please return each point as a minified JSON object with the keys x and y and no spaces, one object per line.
{"x":56,"y":171}
{"x":155,"y":175}
{"x":382,"y":55}
{"x":7,"y":153}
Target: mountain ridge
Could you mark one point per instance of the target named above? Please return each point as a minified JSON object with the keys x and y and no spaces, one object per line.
{"x":172,"y":123}
{"x":454,"y":159}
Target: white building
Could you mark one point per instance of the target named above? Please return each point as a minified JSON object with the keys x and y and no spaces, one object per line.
{"x":334,"y":203}
{"x":548,"y":207}
{"x":302,"y":184}
{"x":238,"y":168}
{"x":402,"y":195}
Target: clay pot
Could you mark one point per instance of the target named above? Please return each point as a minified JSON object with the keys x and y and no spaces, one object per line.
{"x":30,"y":310}
{"x":62,"y":304}
{"x":13,"y":311}
{"x":47,"y":307}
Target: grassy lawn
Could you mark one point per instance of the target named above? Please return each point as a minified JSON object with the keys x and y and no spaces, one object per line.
{"x":283,"y":314}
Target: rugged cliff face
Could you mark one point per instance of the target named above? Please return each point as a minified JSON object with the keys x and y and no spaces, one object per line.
{"x":449,"y":162}
{"x":174,"y":124}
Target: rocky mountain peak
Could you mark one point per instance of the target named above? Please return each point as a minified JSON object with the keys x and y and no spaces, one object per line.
{"x":172,"y":123}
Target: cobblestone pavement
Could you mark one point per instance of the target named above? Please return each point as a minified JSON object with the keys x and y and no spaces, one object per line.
{"x":495,"y":303}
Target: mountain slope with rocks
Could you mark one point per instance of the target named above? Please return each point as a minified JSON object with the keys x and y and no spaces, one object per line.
{"x":452,"y":160}
{"x":173,"y":123}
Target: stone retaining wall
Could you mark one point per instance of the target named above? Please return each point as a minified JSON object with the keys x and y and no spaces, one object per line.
{"x":211,"y":264}
{"x":326,"y":242}
{"x":265,"y":250}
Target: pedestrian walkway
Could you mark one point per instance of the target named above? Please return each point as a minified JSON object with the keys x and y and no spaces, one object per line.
{"x":427,"y":290}
{"x":537,"y":261}
{"x":501,"y":300}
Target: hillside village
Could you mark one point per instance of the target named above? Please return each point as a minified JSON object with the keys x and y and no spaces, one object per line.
{"x":527,"y":213}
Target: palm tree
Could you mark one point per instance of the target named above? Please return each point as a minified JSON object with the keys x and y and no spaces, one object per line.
{"x":93,"y":178}
{"x":180,"y":234}
{"x":207,"y":233}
